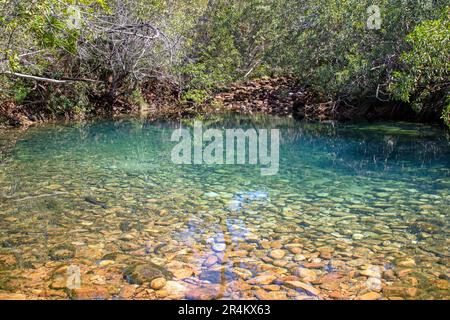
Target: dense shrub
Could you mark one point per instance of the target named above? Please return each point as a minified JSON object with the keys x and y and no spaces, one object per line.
{"x":344,"y":50}
{"x":425,"y":73}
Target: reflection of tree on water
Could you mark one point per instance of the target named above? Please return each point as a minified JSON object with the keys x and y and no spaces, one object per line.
{"x":222,"y":237}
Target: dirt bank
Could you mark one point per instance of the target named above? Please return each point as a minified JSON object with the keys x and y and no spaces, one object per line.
{"x":281,"y":96}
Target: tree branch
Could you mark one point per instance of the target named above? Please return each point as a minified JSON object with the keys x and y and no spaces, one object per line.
{"x":48,"y":80}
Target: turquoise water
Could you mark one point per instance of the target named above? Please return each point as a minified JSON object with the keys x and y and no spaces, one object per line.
{"x":355,"y":211}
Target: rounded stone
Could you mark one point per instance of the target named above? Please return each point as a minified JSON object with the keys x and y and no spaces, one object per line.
{"x":158,"y":283}
{"x":370,"y":296}
{"x":306,"y":274}
{"x":374,"y":284}
{"x":407,"y":263}
{"x":219,"y":247}
{"x":299,"y":257}
{"x":277,"y":254}
{"x":183,"y":273}
{"x":142,"y":273}
{"x":210,"y":261}
{"x":357,"y":236}
{"x":372,"y":272}
{"x":62,"y":252}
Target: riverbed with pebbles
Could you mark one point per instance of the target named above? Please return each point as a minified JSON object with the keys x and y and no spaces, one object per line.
{"x":99,"y":211}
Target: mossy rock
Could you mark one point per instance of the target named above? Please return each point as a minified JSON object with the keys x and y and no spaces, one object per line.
{"x":432,"y":226}
{"x":144,"y":273}
{"x":125,"y":226}
{"x":62,"y":252}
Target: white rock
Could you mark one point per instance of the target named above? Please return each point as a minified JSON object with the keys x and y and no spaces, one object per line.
{"x":299,"y":257}
{"x":373,"y":284}
{"x":358,"y":236}
{"x":211,"y":195}
{"x":219,"y":247}
{"x":234,"y":205}
{"x":175,"y":289}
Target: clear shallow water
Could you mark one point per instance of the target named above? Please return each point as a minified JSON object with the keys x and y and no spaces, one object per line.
{"x":356,"y":210}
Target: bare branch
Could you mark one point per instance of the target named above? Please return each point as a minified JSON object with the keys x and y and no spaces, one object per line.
{"x":48,"y":80}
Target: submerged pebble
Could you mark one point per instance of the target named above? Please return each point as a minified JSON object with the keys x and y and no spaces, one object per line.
{"x":342,"y":219}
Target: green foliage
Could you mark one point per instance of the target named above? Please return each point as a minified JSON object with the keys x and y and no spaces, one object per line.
{"x":200,"y":77}
{"x":228,"y":43}
{"x":53,"y":33}
{"x":327,"y":44}
{"x":196,"y":96}
{"x":330,"y":46}
{"x":72,"y":102}
{"x":43,"y":24}
{"x":137,"y":99}
{"x":21,"y":91}
{"x":446,"y":112}
{"x":426,"y":65}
